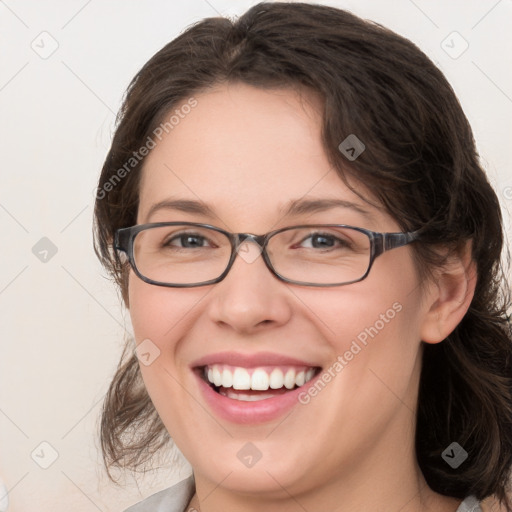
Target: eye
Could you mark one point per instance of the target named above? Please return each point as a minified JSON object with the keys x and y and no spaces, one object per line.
{"x":325,"y":241}
{"x":186,"y":241}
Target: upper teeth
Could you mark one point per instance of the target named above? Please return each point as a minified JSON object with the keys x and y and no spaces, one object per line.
{"x":259,"y":379}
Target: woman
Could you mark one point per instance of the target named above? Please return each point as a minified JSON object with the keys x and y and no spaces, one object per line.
{"x":360,"y":360}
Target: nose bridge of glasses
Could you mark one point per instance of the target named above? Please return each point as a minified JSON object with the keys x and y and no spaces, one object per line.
{"x":247,"y":251}
{"x":242,"y":237}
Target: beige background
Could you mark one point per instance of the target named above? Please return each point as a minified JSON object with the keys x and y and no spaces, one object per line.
{"x":61,"y":321}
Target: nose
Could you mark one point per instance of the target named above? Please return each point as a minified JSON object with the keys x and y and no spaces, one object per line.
{"x":250,"y":296}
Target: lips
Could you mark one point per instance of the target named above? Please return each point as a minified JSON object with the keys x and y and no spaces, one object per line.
{"x":252,"y":388}
{"x":252,"y":360}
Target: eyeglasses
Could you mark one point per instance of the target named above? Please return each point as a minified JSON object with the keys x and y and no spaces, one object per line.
{"x":188,"y":254}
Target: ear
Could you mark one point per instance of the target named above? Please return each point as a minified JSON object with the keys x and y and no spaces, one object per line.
{"x":451,"y":292}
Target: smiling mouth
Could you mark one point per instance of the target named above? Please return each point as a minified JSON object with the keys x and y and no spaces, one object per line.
{"x":254,"y":384}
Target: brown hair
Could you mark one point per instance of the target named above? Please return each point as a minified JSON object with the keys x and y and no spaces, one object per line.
{"x":420,"y":162}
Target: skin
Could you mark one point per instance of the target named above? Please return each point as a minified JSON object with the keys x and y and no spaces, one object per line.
{"x":351,"y":447}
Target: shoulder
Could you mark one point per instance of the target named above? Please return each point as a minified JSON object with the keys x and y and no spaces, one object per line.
{"x":470,"y":504}
{"x":491,"y":504}
{"x":172,"y":499}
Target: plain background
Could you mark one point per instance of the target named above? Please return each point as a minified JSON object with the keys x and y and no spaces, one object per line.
{"x":62,"y":324}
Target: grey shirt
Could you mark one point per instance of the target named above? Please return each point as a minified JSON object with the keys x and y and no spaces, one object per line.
{"x":177,"y":497}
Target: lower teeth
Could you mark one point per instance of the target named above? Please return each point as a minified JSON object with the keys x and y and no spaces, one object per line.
{"x":244,"y":397}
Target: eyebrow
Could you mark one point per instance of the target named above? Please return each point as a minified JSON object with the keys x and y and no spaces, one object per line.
{"x":294,"y":207}
{"x":303,"y":206}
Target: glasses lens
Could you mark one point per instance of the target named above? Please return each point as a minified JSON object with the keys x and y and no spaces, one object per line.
{"x":320,"y":255}
{"x":181,"y":254}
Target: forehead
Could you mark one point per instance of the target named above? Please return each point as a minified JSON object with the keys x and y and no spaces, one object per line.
{"x":243,"y":149}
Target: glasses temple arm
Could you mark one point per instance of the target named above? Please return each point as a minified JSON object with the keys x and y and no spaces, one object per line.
{"x":386,"y":241}
{"x":393,"y":240}
{"x":121,"y":239}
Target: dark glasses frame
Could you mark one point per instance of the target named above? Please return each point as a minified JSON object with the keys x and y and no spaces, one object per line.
{"x":379,"y":243}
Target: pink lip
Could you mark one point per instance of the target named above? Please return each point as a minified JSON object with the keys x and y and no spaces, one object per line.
{"x":250,"y":360}
{"x":250,"y":413}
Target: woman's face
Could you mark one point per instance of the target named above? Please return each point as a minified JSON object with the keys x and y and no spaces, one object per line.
{"x":248,"y":153}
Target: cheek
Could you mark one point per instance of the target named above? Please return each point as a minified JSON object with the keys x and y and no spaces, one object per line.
{"x":364,"y":313}
{"x":372,"y":325}
{"x":159,"y":313}
{"x":160,"y":318}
